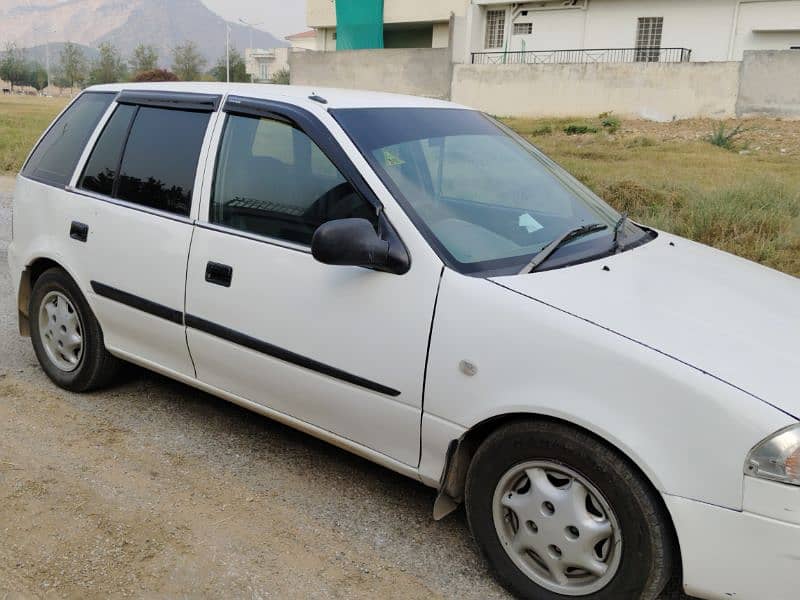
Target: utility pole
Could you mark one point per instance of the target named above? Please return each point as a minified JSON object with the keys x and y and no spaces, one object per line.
{"x":227,"y":53}
{"x":251,"y":26}
{"x":47,"y":32}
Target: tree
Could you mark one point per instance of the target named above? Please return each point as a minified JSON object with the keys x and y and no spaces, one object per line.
{"x":37,"y":76}
{"x":144,"y":58}
{"x":12,"y":65}
{"x":72,"y":66}
{"x":156,"y":75}
{"x":238,"y":68}
{"x":187,"y":62}
{"x":109,"y":66}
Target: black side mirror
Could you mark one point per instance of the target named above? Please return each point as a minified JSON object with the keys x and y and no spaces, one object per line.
{"x":354,"y":242}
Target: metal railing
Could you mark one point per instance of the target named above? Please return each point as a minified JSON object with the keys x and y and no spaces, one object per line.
{"x":600,"y":55}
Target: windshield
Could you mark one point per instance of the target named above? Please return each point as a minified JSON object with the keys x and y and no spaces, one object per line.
{"x":486,"y":200}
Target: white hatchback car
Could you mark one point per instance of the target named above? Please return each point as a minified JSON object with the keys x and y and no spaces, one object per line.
{"x":411,"y":281}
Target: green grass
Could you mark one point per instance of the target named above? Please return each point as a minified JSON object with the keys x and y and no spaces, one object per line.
{"x":744,"y":204}
{"x":668,"y":176}
{"x":22,"y":121}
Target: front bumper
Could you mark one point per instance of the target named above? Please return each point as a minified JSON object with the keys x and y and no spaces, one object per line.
{"x":752,"y":554}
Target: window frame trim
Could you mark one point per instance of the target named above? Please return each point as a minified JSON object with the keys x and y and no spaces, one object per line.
{"x":50,"y":127}
{"x":187,"y":101}
{"x":310,"y":125}
{"x":74,"y":183}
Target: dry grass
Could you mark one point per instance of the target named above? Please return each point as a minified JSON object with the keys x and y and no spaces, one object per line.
{"x":666,"y":175}
{"x":22,"y":121}
{"x":671,"y":177}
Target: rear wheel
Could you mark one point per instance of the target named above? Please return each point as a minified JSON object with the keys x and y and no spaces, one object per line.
{"x":559,"y":514}
{"x":66,"y":337}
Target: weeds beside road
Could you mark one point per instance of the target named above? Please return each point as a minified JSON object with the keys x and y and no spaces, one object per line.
{"x":745,"y":201}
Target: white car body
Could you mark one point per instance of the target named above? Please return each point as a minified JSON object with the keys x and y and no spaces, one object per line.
{"x":680,"y":356}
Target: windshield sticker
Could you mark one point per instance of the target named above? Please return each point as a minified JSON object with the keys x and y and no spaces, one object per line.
{"x":390,"y":159}
{"x":529,"y":223}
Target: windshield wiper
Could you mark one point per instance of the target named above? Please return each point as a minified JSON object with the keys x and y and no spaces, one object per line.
{"x":548,"y":250}
{"x":618,"y":247}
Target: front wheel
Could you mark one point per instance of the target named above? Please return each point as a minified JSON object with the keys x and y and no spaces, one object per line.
{"x":556,"y":513}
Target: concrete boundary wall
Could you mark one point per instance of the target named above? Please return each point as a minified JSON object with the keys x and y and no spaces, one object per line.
{"x":416,"y":71}
{"x":765,"y":83}
{"x":770,"y":84}
{"x":660,"y":92}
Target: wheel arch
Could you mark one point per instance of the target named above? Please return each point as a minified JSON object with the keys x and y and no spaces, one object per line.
{"x":28,"y":279}
{"x":461,"y":451}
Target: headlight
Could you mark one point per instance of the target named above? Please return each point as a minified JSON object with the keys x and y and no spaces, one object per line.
{"x":777,"y":458}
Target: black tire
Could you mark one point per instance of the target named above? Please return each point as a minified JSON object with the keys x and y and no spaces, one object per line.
{"x":646,"y":562}
{"x":96,"y":367}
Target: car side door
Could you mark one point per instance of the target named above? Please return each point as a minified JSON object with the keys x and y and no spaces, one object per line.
{"x":340,"y":348}
{"x":134,"y":196}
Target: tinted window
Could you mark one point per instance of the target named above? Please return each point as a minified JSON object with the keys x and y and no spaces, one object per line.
{"x":160,"y":159}
{"x":56,"y":157}
{"x":273,"y":180}
{"x":101,"y":169}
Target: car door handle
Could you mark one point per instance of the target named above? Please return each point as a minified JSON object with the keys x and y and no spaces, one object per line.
{"x":219,"y":274}
{"x":79,"y":231}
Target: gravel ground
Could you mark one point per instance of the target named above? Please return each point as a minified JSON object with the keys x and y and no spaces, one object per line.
{"x":154,"y":489}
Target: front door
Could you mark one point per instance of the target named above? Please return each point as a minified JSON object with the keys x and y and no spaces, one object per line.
{"x":341,"y":348}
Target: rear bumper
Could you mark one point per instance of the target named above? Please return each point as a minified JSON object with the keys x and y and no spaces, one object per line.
{"x":14,"y":268}
{"x":743,"y":555}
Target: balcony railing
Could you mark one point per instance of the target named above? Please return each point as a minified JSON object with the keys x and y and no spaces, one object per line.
{"x":602,"y":55}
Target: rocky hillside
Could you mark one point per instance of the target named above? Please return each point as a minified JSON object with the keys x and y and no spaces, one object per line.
{"x":125,"y":23}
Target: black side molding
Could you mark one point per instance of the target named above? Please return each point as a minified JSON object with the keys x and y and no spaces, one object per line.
{"x":242,"y":339}
{"x":178,"y":100}
{"x":148,"y":306}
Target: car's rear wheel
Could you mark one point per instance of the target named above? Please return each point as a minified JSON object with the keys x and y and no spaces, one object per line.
{"x":558,"y":514}
{"x":66,"y":337}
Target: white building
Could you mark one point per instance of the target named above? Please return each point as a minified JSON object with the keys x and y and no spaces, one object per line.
{"x":712,"y":30}
{"x":261,"y":64}
{"x":305,"y":40}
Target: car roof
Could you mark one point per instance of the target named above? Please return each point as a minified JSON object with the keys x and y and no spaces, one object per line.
{"x":299,"y":95}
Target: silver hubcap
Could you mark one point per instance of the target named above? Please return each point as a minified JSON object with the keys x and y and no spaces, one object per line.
{"x":60,"y":331}
{"x":557,"y":528}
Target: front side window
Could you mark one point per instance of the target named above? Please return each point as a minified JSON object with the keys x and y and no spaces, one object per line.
{"x":486,"y":200}
{"x":272,"y":180}
{"x":148,"y":156}
{"x":55,"y":158}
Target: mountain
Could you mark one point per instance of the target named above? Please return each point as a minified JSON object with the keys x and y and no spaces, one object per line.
{"x":125,"y":23}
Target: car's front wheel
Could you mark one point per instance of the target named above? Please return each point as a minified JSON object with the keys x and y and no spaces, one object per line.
{"x":66,"y":337}
{"x":558,"y":514}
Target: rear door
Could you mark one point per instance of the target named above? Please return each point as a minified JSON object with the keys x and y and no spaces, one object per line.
{"x":341,"y":348}
{"x":137,"y":190}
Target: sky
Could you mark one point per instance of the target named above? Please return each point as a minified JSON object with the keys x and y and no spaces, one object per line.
{"x":279,"y":17}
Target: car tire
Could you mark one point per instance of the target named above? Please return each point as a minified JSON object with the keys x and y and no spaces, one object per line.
{"x":538,"y":496}
{"x":66,"y":336}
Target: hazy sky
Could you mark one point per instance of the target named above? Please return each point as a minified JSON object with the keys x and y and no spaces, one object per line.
{"x":280,"y":17}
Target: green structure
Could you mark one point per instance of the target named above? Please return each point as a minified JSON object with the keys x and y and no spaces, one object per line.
{"x":359,"y":24}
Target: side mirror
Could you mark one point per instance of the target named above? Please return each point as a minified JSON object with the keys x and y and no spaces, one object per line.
{"x":353,"y":242}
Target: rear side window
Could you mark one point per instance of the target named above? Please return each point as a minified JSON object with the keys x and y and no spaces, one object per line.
{"x":57,"y":155}
{"x":148,"y":156}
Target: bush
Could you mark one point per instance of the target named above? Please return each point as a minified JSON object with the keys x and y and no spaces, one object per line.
{"x":543,"y":130}
{"x":281,"y":77}
{"x":579,"y":129}
{"x":156,"y":75}
{"x":610,"y":123}
{"x":722,"y":138}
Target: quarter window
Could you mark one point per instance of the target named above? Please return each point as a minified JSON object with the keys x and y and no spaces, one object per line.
{"x":272,"y":180}
{"x":55,"y":158}
{"x":495,"y":28}
{"x":151,"y":161}
{"x":648,"y":39}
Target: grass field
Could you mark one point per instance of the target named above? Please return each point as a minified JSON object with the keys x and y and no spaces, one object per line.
{"x":745,"y":201}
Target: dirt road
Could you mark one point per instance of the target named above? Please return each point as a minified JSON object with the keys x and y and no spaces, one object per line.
{"x":152,"y":489}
